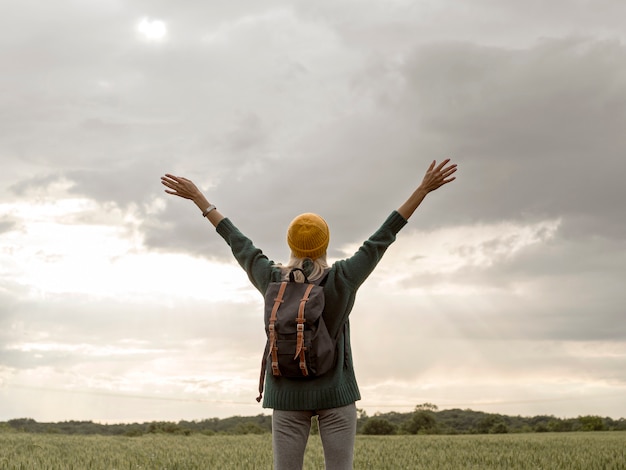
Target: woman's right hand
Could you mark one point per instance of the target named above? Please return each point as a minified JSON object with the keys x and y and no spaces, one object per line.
{"x":181,"y":187}
{"x":437,"y":176}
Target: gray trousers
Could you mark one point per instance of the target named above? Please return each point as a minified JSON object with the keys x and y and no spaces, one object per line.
{"x":290,"y":432}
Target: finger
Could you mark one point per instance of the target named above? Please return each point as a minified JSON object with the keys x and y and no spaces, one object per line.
{"x":167,"y":183}
{"x":167,"y":180}
{"x":175,"y":178}
{"x":448,"y":171}
{"x":442,"y":164}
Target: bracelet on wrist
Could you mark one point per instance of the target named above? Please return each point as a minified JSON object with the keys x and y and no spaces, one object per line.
{"x":208,"y":210}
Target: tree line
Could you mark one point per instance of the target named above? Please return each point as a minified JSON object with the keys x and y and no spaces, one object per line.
{"x":424,"y":419}
{"x":427,"y":419}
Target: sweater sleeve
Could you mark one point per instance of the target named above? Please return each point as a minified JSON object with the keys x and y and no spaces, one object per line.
{"x":258,"y":267}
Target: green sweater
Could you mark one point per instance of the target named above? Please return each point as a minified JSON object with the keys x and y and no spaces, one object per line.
{"x":337,"y":387}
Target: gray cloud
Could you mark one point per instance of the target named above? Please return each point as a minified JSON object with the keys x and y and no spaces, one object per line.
{"x":6,"y":225}
{"x":562,"y":290}
{"x":531,"y":127}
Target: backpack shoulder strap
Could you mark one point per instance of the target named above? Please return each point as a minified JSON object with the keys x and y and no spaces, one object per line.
{"x":272,"y":323}
{"x":271,"y":341}
{"x":263,"y":367}
{"x":300,"y":320}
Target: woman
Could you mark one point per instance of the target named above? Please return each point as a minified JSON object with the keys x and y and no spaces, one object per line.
{"x":331,"y":396}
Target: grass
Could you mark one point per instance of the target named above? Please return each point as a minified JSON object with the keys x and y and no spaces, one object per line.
{"x":549,"y":451}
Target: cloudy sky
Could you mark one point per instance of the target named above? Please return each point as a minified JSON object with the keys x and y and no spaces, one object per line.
{"x":505,"y":292}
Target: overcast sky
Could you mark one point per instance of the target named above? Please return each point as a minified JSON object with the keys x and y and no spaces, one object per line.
{"x":504,"y":293}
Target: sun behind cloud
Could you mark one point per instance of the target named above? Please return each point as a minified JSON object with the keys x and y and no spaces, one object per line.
{"x":152,"y":29}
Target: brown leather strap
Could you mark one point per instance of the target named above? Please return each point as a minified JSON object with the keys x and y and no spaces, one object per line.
{"x":300,"y":349}
{"x":273,"y":346}
{"x":271,"y":342}
{"x":262,"y":376}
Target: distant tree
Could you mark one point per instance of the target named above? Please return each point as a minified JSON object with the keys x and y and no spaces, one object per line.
{"x":26,"y":425}
{"x":559,"y":425}
{"x":499,"y":428}
{"x":492,"y":424}
{"x":235,"y":424}
{"x":379,"y":426}
{"x":540,"y":423}
{"x":591,"y":423}
{"x":422,"y":421}
{"x":620,"y":424}
{"x":426,"y":407}
{"x":157,"y":427}
{"x":249,"y":428}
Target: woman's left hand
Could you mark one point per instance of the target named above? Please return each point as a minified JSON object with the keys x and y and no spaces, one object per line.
{"x":182,"y":187}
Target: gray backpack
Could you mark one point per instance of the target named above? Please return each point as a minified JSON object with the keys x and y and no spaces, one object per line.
{"x":298,"y":342}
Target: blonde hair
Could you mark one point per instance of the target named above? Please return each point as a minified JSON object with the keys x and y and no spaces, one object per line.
{"x":319,"y":265}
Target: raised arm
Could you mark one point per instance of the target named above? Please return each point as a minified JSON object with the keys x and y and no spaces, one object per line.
{"x":435,"y":177}
{"x":182,"y":187}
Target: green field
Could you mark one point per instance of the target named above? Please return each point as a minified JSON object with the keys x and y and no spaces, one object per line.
{"x":544,"y":451}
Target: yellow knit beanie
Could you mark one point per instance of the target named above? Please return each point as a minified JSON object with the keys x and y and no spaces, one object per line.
{"x":308,"y":236}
